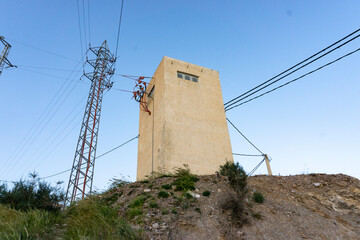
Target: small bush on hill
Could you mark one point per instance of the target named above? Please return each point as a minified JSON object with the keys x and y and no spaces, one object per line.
{"x":137,"y":202}
{"x":258,"y":197}
{"x":33,"y":224}
{"x":236,"y":175}
{"x":32,"y":194}
{"x":91,"y":219}
{"x":234,"y":201}
{"x":163,"y":194}
{"x":185,"y":180}
{"x":206,"y":193}
{"x":166,"y":186}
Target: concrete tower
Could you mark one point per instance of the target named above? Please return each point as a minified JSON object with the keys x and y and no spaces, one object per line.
{"x":187,"y":124}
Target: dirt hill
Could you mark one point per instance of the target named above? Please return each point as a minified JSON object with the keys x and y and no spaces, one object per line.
{"x":315,"y":206}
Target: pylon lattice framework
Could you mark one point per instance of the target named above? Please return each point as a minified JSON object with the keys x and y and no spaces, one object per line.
{"x":82,"y":171}
{"x":4,"y":53}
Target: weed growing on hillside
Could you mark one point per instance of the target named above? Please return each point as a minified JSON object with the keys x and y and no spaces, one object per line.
{"x":206,"y":193}
{"x":258,"y":197}
{"x":90,"y":219}
{"x":163,"y":194}
{"x":166,"y":186}
{"x":236,"y":175}
{"x":185,"y":180}
{"x":137,"y":202}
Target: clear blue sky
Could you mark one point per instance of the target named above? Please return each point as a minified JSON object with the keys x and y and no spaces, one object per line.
{"x":309,"y":126}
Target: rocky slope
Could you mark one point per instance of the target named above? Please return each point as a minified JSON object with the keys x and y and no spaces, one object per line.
{"x":315,"y":206}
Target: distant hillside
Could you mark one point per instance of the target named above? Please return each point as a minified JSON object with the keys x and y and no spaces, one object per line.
{"x":315,"y":206}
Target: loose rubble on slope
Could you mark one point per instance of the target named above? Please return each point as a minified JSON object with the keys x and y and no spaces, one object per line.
{"x":315,"y":206}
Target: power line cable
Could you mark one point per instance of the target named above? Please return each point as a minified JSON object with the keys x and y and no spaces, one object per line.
{"x":43,"y":120}
{"x":256,"y":167}
{"x":89,"y":22}
{"x":235,"y":100}
{"x":46,"y":68}
{"x":62,"y":131}
{"x":85,"y":38}
{"x":118,"y":33}
{"x":42,"y":128}
{"x":56,"y":174}
{"x":38,"y":122}
{"x":244,"y":136}
{"x":117,"y":147}
{"x":248,"y":155}
{"x":43,"y":50}
{"x":78,"y":10}
{"x":287,"y":83}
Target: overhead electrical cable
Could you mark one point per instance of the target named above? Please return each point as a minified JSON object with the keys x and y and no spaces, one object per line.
{"x":287,"y":83}
{"x":47,"y":68}
{"x":248,"y":155}
{"x":43,"y":50}
{"x":244,"y":137}
{"x":48,"y":142}
{"x":88,"y":1}
{"x":252,"y":91}
{"x":101,"y":155}
{"x":81,"y":41}
{"x":39,"y":123}
{"x":84,"y":22}
{"x":118,"y":33}
{"x":43,"y":127}
{"x":40,"y":119}
{"x":256,"y":167}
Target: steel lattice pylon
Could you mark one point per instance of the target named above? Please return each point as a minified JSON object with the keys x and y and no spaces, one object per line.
{"x":3,"y":55}
{"x":82,"y":171}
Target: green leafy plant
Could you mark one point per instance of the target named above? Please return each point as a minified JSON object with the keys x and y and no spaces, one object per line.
{"x":188,"y":195}
{"x":32,"y":194}
{"x":256,"y":215}
{"x":185,"y":180}
{"x":137,"y":202}
{"x":206,"y":193}
{"x":198,"y":210}
{"x":235,"y":174}
{"x":163,"y":194}
{"x":153,"y":204}
{"x":166,"y":186}
{"x":258,"y":197}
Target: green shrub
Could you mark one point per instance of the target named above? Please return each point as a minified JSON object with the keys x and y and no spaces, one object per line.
{"x":198,"y":210}
{"x":188,"y":195}
{"x":163,"y":194}
{"x":133,"y":212}
{"x":153,"y":204}
{"x":206,"y":193}
{"x":90,"y":219}
{"x":185,"y":180}
{"x":165,"y":212}
{"x":256,"y":215}
{"x":33,"y":224}
{"x":173,"y":211}
{"x":144,"y":181}
{"x":258,"y":197}
{"x":32,"y":194}
{"x":166,"y":186}
{"x":236,"y":175}
{"x":137,"y":202}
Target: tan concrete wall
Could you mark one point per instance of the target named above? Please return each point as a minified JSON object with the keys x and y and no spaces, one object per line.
{"x":188,"y":121}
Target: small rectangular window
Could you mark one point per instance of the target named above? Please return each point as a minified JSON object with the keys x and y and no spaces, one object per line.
{"x":188,"y":77}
